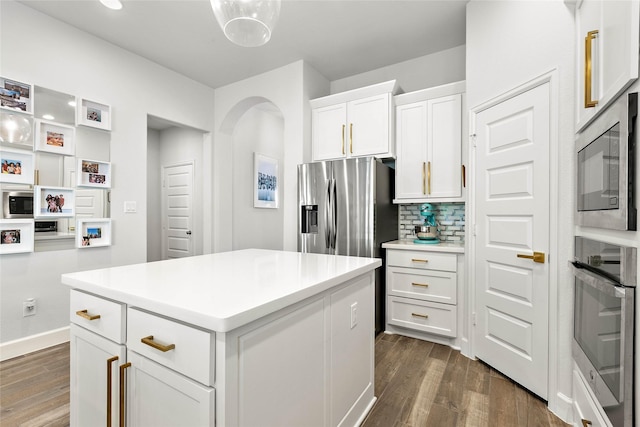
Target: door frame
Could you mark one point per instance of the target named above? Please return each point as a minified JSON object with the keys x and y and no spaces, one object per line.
{"x":554,"y":259}
{"x":163,"y":207}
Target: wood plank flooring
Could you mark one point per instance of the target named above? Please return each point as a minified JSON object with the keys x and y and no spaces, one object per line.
{"x":417,"y":383}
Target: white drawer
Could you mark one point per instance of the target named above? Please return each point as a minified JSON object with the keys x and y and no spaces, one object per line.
{"x":429,"y":285}
{"x":423,"y":316}
{"x":584,"y":408}
{"x":193,"y":349}
{"x":102,"y":316}
{"x":422,"y":259}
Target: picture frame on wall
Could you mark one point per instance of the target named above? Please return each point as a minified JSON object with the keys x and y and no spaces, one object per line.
{"x":55,"y":138}
{"x":93,"y":173}
{"x":17,"y":166}
{"x":16,"y":236}
{"x":265,"y":182}
{"x":16,"y":95}
{"x":53,"y":202}
{"x":93,"y":232}
{"x":93,"y":114}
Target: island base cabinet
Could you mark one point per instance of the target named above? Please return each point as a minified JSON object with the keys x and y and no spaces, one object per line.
{"x":90,"y":366}
{"x":160,"y":397}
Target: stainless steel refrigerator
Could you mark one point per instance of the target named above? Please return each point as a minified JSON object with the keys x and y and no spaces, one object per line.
{"x":345,"y":207}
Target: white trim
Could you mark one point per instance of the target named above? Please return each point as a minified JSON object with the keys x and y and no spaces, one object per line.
{"x":22,"y":346}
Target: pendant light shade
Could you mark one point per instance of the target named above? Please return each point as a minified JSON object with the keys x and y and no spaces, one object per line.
{"x":14,"y":128}
{"x":247,"y":23}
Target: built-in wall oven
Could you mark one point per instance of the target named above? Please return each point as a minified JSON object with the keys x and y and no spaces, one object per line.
{"x":603,"y":342}
{"x":606,"y":168}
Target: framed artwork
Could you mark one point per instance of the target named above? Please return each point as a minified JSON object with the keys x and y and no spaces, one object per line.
{"x":16,"y":95}
{"x":52,"y":202}
{"x":93,"y":232}
{"x":55,"y":138}
{"x":17,"y":166}
{"x":92,"y":173}
{"x":93,"y":114}
{"x":16,"y":236}
{"x":265,"y":182}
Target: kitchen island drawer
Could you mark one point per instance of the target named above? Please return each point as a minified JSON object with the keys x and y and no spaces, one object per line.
{"x":99,"y":315}
{"x":178,"y":346}
{"x":423,"y":316}
{"x":423,"y":260}
{"x":430,"y":285}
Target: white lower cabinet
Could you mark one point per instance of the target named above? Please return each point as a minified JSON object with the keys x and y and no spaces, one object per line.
{"x":585,"y":410}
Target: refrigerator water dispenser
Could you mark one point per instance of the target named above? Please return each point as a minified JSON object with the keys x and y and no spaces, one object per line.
{"x":309,"y":216}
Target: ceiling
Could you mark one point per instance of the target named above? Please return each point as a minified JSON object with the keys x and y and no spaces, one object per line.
{"x":337,"y":38}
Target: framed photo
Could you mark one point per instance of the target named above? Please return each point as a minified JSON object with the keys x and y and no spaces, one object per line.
{"x":52,"y":202}
{"x":55,"y":138}
{"x":93,"y":232}
{"x":16,"y":95}
{"x":265,"y":182}
{"x":17,"y":166}
{"x":92,"y":173}
{"x":16,"y":236}
{"x":93,"y":114}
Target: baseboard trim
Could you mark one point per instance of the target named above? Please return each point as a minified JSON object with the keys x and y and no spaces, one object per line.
{"x":562,"y":407}
{"x":22,"y":346}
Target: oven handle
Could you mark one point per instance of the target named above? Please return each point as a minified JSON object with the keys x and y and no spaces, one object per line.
{"x":601,"y":283}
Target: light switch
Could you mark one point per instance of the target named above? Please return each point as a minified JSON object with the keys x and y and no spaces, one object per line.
{"x":130,"y":207}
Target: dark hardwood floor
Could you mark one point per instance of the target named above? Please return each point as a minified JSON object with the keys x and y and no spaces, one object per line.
{"x":417,"y":383}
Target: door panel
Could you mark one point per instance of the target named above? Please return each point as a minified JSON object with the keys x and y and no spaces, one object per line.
{"x":313,"y":190}
{"x":177,"y":221}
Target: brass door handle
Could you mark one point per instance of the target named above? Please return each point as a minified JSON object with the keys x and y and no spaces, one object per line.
{"x":428,"y":177}
{"x":536,"y":257}
{"x":588,"y":69}
{"x":464,"y":176}
{"x":424,"y":316}
{"x":85,"y":315}
{"x":422,"y":285}
{"x":150,"y":342}
{"x":419,"y":260}
{"x":351,"y":138}
{"x":585,"y":423}
{"x":424,"y":177}
{"x":123,"y":391}
{"x":109,"y":386}
{"x":343,"y":128}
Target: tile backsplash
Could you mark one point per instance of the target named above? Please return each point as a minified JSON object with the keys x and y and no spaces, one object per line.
{"x":449,"y":216}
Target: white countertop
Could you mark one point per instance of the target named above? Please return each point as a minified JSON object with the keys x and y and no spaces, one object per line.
{"x":457,"y":248}
{"x":222,"y":291}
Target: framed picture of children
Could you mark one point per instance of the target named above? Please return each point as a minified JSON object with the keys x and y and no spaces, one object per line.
{"x":17,"y":166}
{"x":93,"y":114}
{"x":16,"y":95}
{"x":55,"y":138}
{"x":265,"y":182}
{"x":16,"y":236}
{"x":93,"y":232}
{"x":93,"y":173}
{"x":53,"y":202}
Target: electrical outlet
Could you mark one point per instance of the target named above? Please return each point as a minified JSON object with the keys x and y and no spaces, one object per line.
{"x":29,"y":307}
{"x":354,"y":315}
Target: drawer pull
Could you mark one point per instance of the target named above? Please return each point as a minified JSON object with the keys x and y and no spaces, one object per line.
{"x":586,"y":423}
{"x":150,"y":342}
{"x":123,"y":391}
{"x":424,"y":316}
{"x":419,"y":260}
{"x":109,"y":386}
{"x":85,"y":315}
{"x":423,"y":285}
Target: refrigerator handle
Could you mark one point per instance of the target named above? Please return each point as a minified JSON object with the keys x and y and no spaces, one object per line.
{"x":327,"y":217}
{"x":334,"y":211}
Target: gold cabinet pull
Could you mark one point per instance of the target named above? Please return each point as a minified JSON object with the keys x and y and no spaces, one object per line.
{"x":422,"y":285}
{"x":428,"y":177}
{"x":585,"y":423}
{"x":588,"y":69}
{"x":123,"y":391}
{"x":85,"y":315}
{"x":150,"y":342}
{"x":351,"y":138}
{"x":109,"y":386}
{"x":343,"y":127}
{"x":424,"y":177}
{"x":464,"y":176}
{"x":419,"y":260}
{"x":423,"y":316}
{"x":536,"y":257}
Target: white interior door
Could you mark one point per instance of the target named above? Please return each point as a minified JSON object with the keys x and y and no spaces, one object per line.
{"x":512,"y":220}
{"x":177,"y":211}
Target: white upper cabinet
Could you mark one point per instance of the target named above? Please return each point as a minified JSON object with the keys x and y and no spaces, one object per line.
{"x":356,"y":123}
{"x":608,"y":41}
{"x":429,"y":127}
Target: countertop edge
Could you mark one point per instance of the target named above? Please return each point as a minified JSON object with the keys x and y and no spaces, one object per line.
{"x":409,"y":245}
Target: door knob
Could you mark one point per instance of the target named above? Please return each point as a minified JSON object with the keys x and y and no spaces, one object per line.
{"x":536,"y":257}
{"x":188,"y":232}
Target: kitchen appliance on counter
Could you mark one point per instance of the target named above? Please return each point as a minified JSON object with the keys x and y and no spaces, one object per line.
{"x":603,"y":335}
{"x":46,"y":227}
{"x":17,"y":204}
{"x":345,"y":207}
{"x":427,"y":233}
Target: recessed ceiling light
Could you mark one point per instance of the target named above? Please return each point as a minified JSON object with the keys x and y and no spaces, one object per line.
{"x":48,"y":117}
{"x":112,"y":4}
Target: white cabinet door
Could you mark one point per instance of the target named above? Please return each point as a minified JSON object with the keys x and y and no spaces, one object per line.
{"x":160,"y":397}
{"x":368,"y":126}
{"x":89,"y":357}
{"x":444,"y":142}
{"x":411,"y":139}
{"x":328,"y":127}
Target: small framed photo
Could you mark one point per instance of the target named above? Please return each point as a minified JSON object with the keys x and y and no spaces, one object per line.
{"x":16,"y":95}
{"x":53,"y":202}
{"x":55,"y":138}
{"x":265,"y":182}
{"x":16,"y":236}
{"x":92,"y":173}
{"x":93,"y":114}
{"x":93,"y":232}
{"x":17,"y":166}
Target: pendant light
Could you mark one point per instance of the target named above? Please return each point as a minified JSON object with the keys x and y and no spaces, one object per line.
{"x":247,"y":23}
{"x":14,"y":128}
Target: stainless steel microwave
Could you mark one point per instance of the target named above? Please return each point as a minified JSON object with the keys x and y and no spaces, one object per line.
{"x":17,"y":204}
{"x":606,"y":168}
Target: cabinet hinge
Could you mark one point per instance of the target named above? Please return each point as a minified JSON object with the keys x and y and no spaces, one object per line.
{"x":473,"y":139}
{"x":474,"y":229}
{"x":473,"y":318}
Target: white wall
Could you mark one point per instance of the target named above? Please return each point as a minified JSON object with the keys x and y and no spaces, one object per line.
{"x":154,"y":203}
{"x":80,"y":64}
{"x":509,"y":44}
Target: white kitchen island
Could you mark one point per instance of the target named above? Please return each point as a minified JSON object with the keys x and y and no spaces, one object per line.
{"x":245,"y":338}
